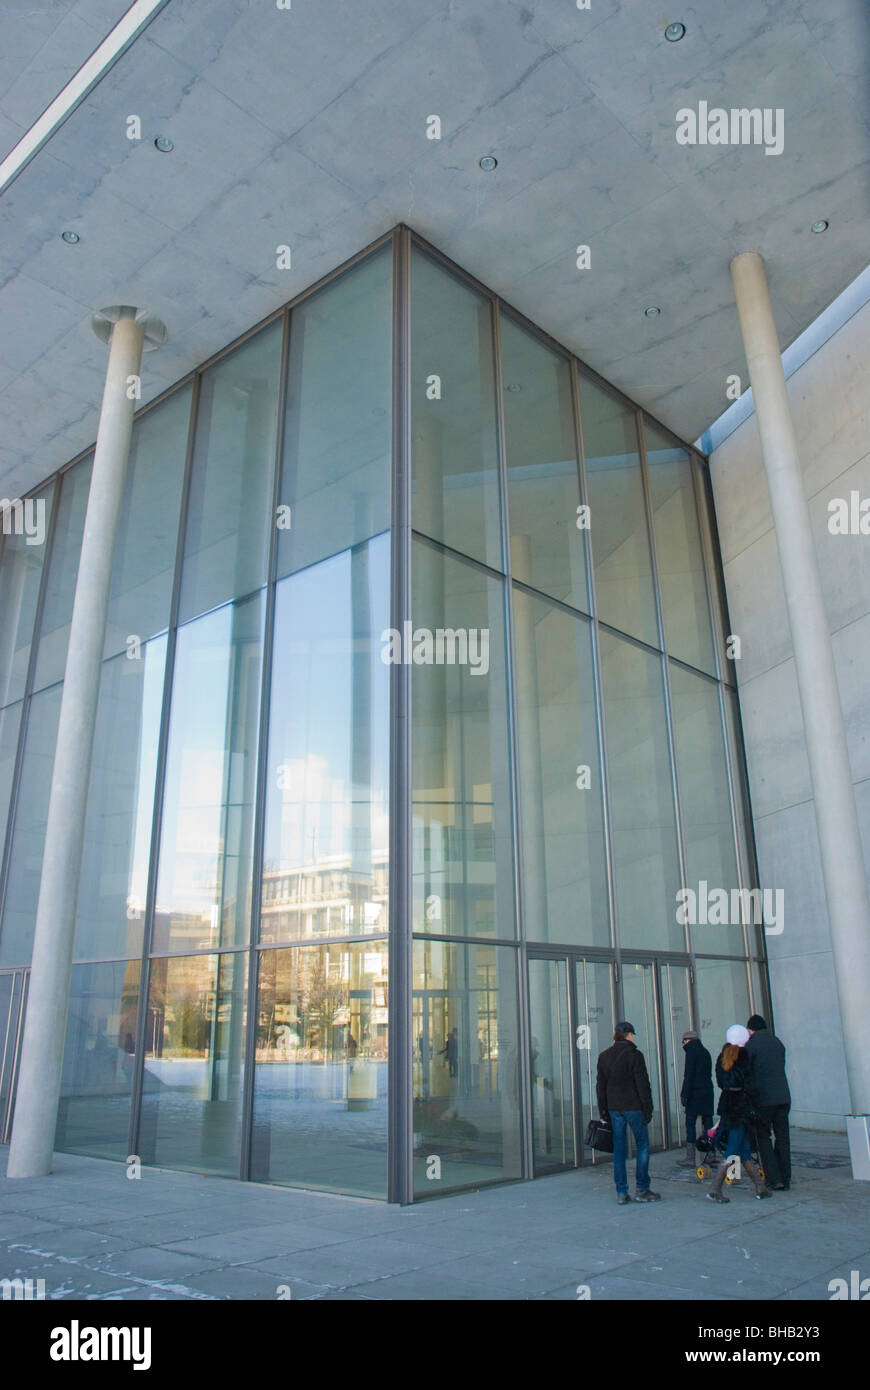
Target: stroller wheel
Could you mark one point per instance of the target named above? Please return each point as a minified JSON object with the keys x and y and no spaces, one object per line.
{"x":761,"y":1172}
{"x":703,"y":1172}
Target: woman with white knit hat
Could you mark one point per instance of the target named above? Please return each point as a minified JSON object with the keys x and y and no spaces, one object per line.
{"x":735,"y":1110}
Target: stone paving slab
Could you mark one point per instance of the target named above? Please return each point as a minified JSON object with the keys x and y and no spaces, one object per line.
{"x":93,"y":1234}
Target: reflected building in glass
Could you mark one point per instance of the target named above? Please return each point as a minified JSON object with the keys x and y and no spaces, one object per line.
{"x":415,"y":718}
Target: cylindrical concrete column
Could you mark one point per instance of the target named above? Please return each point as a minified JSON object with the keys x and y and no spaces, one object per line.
{"x":39,"y":1076}
{"x":836,"y":814}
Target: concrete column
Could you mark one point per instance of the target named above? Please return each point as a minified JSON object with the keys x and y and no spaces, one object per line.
{"x":39,"y":1077}
{"x":836,"y":815}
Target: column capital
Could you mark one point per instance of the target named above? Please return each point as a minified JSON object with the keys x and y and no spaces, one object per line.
{"x":154,"y":329}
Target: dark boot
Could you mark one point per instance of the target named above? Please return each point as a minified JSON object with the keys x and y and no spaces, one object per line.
{"x":716,"y":1194}
{"x":690,"y":1161}
{"x":761,"y":1188}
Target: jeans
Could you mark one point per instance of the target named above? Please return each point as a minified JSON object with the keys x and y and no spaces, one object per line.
{"x":776,"y":1157}
{"x":737,"y":1142}
{"x":692,"y":1125}
{"x":621,"y":1121}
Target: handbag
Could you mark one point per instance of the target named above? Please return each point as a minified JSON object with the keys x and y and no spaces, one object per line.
{"x":599,"y":1136}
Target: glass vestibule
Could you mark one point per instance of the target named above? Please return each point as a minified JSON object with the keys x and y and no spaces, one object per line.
{"x":656,"y":998}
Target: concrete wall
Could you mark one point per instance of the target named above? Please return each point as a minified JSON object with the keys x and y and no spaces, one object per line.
{"x":831,"y":405}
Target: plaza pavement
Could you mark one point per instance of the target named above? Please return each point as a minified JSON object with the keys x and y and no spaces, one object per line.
{"x":90,"y":1232}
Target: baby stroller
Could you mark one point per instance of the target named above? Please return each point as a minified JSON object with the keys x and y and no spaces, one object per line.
{"x":712,"y":1145}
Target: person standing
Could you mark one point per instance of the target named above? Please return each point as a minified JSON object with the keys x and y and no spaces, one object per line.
{"x":735,"y":1111}
{"x":625,"y":1097}
{"x":768,"y":1088}
{"x":697,"y":1092}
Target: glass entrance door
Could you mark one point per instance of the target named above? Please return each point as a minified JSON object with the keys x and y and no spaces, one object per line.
{"x":657,"y":1000}
{"x":13,"y":999}
{"x":571,"y":1021}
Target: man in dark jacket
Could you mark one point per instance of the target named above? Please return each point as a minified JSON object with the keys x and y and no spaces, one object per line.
{"x":697,"y":1092}
{"x":767,"y":1086}
{"x":624,"y":1095}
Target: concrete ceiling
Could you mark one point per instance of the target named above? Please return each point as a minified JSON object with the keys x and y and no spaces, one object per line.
{"x":307,"y":127}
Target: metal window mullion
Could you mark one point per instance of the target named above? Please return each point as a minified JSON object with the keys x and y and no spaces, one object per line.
{"x":136,"y":1089}
{"x":29,"y":679}
{"x":666,"y":674}
{"x":262,"y":778}
{"x":523,"y":1001}
{"x":400,"y":1154}
{"x":598,"y":692}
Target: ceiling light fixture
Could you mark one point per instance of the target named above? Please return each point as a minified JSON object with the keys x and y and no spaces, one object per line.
{"x":821,"y":226}
{"x":513,"y":386}
{"x":652,"y":311}
{"x":70,"y":238}
{"x":125,"y":32}
{"x":675,"y":32}
{"x":164,"y":144}
{"x":488,"y":163}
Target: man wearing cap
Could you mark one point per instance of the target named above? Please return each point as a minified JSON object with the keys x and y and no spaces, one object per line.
{"x":624,"y":1095}
{"x":697,"y":1092}
{"x":767,"y":1085}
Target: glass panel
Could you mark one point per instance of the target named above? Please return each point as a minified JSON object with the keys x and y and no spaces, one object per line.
{"x":638,"y":991}
{"x":676,"y":1018}
{"x":678,"y":550}
{"x":736,"y":759}
{"x":723,"y":999}
{"x":325,"y":869}
{"x":28,"y":831}
{"x":337,"y":435}
{"x":194,"y":1063}
{"x":455,"y":452}
{"x":63,"y":568}
{"x":21,"y":560}
{"x":711,"y":862}
{"x":552,"y":1091}
{"x":12,"y":988}
{"x":94,"y":1111}
{"x":10,"y":721}
{"x":562,"y":835}
{"x":463,"y":867}
{"x":620,"y":539}
{"x":226,"y":547}
{"x":206,"y":846}
{"x":466,"y":1066}
{"x":547,"y":548}
{"x":114,"y":875}
{"x":593,"y":1033}
{"x":144,"y":558}
{"x":320,"y":1084}
{"x":645,"y":863}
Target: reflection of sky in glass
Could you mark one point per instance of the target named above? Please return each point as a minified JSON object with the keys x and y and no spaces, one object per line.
{"x":196,"y":814}
{"x":329,"y":743}
{"x":149,"y":729}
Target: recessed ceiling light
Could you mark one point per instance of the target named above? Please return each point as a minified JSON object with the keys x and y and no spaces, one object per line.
{"x":513,"y":386}
{"x":675,"y":32}
{"x":821,"y":226}
{"x":164,"y":144}
{"x":652,"y":311}
{"x":69,"y":237}
{"x":488,"y":163}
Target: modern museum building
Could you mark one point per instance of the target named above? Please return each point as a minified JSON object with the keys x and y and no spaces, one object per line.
{"x":415,"y":716}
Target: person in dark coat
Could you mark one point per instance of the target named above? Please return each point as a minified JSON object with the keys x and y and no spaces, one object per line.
{"x":735,"y":1110}
{"x":625,"y":1097}
{"x":697,"y":1092}
{"x":768,"y":1087}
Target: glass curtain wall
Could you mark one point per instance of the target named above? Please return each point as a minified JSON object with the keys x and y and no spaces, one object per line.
{"x":574,"y":747}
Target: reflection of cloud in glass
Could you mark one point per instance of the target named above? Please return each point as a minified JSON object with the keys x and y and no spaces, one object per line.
{"x":317,"y":817}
